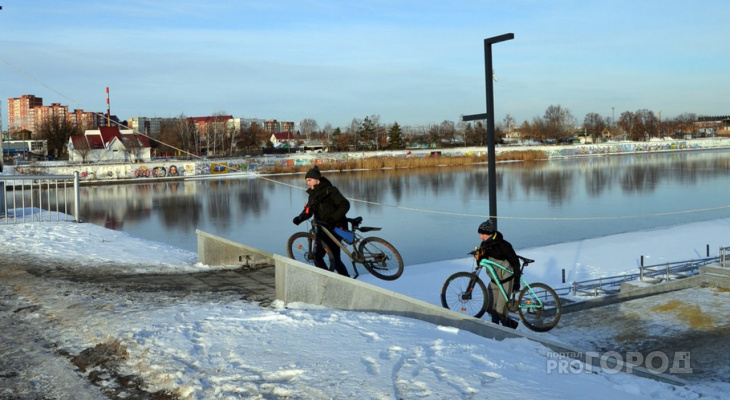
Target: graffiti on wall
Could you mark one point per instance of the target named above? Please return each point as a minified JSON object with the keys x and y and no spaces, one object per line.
{"x":218,"y":168}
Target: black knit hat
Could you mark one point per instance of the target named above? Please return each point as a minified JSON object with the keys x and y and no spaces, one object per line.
{"x":486,"y":227}
{"x":313,"y":173}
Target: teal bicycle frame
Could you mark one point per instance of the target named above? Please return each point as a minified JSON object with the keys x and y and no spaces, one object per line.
{"x":511,"y":304}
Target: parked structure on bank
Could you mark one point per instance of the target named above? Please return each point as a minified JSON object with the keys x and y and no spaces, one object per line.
{"x":109,"y":143}
{"x":34,"y":149}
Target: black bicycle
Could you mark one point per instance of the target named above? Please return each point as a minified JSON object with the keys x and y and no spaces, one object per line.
{"x":377,"y":255}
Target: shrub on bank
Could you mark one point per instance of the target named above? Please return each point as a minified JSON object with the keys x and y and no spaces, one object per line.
{"x":372,"y":163}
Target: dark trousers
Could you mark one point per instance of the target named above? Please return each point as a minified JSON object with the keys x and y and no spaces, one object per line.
{"x":336,"y":255}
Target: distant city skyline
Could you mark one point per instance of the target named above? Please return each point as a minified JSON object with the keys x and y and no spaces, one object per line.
{"x":415,"y":63}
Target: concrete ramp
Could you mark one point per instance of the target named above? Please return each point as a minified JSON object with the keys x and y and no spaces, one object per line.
{"x":299,"y":282}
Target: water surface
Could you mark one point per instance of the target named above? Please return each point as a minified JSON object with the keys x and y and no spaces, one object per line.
{"x":432,"y":214}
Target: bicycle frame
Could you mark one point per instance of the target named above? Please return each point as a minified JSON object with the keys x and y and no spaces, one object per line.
{"x":355,"y":255}
{"x":490,"y":267}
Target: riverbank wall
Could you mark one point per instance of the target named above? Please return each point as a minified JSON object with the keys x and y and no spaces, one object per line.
{"x":164,"y":169}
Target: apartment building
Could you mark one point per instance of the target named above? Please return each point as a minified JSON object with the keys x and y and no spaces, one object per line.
{"x":274,"y":126}
{"x":27,"y":113}
{"x":21,"y":112}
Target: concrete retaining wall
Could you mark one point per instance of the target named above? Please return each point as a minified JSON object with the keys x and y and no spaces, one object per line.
{"x":214,"y":250}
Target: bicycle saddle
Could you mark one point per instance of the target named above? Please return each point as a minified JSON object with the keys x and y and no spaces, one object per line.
{"x":526,"y":260}
{"x":356,"y":225}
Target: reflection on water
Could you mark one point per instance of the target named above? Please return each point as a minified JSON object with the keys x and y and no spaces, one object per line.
{"x":432,"y":213}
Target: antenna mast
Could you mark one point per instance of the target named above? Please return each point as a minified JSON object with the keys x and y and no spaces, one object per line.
{"x":108,"y":110}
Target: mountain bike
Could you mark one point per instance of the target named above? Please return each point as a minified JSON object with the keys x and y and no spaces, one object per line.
{"x":377,"y":255}
{"x":537,"y":304}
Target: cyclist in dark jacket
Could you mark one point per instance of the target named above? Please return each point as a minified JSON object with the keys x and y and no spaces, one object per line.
{"x":498,"y":250}
{"x":328,"y":206}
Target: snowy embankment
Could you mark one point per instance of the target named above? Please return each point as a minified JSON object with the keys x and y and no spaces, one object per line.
{"x":218,"y":346}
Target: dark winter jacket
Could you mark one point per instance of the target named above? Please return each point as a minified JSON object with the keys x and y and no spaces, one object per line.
{"x":327,"y":204}
{"x":496,"y":247}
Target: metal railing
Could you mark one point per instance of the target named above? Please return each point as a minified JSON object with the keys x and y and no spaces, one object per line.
{"x":38,"y":198}
{"x":657,"y":273}
{"x":724,"y":257}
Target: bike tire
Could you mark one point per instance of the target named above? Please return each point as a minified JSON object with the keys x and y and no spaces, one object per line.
{"x":381,"y":258}
{"x":546,"y":314}
{"x":300,"y":247}
{"x":455,"y":295}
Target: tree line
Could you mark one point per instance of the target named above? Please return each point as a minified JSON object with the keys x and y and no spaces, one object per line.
{"x":181,"y":136}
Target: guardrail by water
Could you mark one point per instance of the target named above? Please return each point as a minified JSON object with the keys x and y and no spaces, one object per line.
{"x":647,"y":273}
{"x":725,"y":257}
{"x":38,"y":198}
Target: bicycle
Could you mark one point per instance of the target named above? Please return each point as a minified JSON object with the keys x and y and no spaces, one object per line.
{"x":537,"y":305}
{"x":377,"y":255}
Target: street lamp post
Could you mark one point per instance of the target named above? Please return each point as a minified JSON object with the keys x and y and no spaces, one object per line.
{"x":489,"y":116}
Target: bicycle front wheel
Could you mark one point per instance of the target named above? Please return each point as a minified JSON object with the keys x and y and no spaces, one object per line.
{"x":539,"y":307}
{"x":381,"y":259}
{"x":302,"y":246}
{"x":466,"y":293}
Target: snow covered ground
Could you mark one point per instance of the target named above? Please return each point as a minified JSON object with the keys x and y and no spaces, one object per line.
{"x":58,"y":335}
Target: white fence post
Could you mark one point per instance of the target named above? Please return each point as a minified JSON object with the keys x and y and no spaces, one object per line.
{"x":77,"y":196}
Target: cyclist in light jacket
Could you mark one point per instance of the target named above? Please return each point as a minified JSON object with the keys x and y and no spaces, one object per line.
{"x":330,"y":207}
{"x":496,"y":249}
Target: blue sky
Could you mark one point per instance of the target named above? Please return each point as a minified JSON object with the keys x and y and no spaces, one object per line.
{"x":411,"y":62}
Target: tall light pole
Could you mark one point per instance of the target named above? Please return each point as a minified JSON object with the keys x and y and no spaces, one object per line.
{"x":489,"y":116}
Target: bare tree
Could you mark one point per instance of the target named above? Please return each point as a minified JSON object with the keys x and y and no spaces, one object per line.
{"x":328,"y":130}
{"x":352,"y":133}
{"x":83,"y":148}
{"x":307,"y":127}
{"x":468,"y":134}
{"x":253,"y":136}
{"x":649,"y":122}
{"x":188,"y":133}
{"x":685,"y":123}
{"x":133,"y":146}
{"x":447,"y":132}
{"x":559,"y":123}
{"x":170,"y":141}
{"x":640,"y":125}
{"x":594,"y":125}
{"x":508,"y":124}
{"x":56,"y":131}
{"x":342,"y":140}
{"x":537,"y":130}
{"x":627,"y":123}
{"x":217,"y":134}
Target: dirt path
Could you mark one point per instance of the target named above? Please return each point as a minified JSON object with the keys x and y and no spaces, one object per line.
{"x":40,"y":305}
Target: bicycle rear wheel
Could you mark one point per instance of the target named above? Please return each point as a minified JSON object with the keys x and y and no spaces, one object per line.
{"x":466,"y":293}
{"x":381,"y":259}
{"x":539,"y":307}
{"x":301,"y":246}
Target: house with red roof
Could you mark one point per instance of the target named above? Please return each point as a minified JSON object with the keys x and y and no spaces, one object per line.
{"x":283,"y":140}
{"x":109,"y":144}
